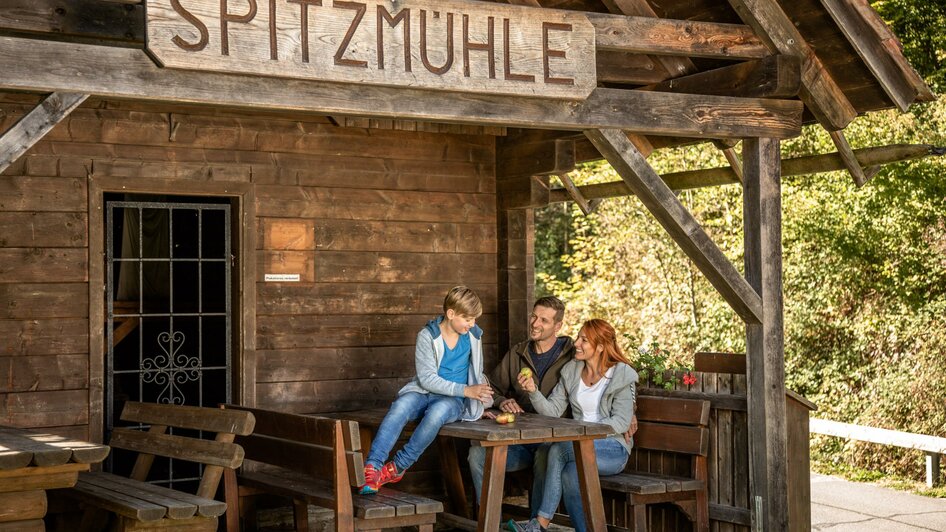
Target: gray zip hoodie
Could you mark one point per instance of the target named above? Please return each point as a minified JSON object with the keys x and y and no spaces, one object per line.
{"x":428,"y":355}
{"x":617,"y":402}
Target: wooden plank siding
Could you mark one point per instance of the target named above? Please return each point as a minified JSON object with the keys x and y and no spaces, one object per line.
{"x":378,"y":223}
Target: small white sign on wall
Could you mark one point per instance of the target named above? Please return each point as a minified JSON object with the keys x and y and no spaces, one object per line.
{"x":281,"y":277}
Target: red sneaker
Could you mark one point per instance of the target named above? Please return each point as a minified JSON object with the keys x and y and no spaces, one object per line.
{"x":372,"y":480}
{"x":389,"y":474}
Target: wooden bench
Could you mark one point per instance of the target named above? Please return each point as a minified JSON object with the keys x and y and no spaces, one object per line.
{"x":674,"y":426}
{"x":137,"y":504}
{"x":315,"y":460}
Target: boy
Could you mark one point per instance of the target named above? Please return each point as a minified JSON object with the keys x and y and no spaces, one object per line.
{"x":449,"y":385}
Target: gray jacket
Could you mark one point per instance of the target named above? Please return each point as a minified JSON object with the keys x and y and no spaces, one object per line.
{"x":428,"y":354}
{"x":617,"y":403}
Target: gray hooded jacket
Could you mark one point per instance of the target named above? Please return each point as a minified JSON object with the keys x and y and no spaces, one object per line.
{"x":428,"y":355}
{"x":617,"y":402}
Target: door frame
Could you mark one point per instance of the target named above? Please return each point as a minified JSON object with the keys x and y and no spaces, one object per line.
{"x":243,"y":220}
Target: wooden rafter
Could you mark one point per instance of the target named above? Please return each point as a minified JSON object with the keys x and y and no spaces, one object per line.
{"x":879,"y":49}
{"x":776,"y":76}
{"x":870,"y":158}
{"x":678,"y":222}
{"x":35,"y":124}
{"x":128,"y":73}
{"x":823,"y":97}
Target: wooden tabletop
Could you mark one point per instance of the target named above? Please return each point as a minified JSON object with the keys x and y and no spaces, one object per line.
{"x":527,"y":427}
{"x":22,"y":448}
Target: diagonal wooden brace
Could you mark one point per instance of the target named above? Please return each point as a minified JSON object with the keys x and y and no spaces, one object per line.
{"x":644,"y":182}
{"x":34,"y":125}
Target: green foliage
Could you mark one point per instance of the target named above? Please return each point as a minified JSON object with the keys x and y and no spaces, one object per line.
{"x":919,"y":25}
{"x":658,"y":366}
{"x":864,"y":275}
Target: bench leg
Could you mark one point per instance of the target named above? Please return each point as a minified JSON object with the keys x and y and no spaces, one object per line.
{"x":702,"y":512}
{"x":248,"y":512}
{"x":93,"y":519}
{"x":231,"y":494}
{"x":300,"y":515}
{"x":638,"y":517}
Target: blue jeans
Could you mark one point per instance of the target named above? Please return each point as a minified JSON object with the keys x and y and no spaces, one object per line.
{"x":518,"y":457}
{"x":433,"y":410}
{"x":561,"y":476}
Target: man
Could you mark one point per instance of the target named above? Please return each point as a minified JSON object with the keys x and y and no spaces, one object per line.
{"x":544,"y":353}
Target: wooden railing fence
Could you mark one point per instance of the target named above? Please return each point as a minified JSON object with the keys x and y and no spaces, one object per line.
{"x":933,"y":446}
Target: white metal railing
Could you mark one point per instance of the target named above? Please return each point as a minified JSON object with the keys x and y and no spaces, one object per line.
{"x":933,"y":446}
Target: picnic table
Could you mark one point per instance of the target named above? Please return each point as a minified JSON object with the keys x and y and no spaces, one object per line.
{"x":32,"y":462}
{"x":496,"y":438}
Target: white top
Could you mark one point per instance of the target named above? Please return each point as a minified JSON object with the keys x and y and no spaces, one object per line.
{"x":589,"y":397}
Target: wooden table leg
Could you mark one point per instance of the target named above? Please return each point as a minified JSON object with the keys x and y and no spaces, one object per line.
{"x":491,"y":500}
{"x":451,"y":476}
{"x":591,"y":497}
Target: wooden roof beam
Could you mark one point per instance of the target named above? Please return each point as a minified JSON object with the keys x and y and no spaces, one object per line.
{"x":659,"y":36}
{"x":36,"y":124}
{"x":675,"y":66}
{"x":819,"y":91}
{"x":678,"y":222}
{"x":103,"y":23}
{"x":869,"y":158}
{"x":776,"y":76}
{"x":129,"y":73}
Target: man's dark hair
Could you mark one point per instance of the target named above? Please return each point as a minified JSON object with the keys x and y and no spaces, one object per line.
{"x":553,"y":303}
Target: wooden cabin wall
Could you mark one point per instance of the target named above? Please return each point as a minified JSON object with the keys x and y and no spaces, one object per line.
{"x":379,"y":223}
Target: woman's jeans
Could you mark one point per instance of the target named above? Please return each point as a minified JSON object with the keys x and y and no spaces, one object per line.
{"x":561,"y":476}
{"x":433,"y":410}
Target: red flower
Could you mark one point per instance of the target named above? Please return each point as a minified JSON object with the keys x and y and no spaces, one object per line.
{"x":689,"y":379}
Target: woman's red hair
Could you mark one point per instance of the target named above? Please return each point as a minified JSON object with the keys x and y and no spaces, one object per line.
{"x":600,"y":332}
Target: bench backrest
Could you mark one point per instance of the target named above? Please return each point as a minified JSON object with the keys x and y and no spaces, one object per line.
{"x":312,"y":445}
{"x":215,"y":454}
{"x":674,"y":425}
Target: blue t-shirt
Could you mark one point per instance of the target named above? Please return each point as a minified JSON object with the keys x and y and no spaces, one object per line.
{"x":455,"y":366}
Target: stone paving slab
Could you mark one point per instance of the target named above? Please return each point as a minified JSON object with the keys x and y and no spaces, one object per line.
{"x":838,"y":505}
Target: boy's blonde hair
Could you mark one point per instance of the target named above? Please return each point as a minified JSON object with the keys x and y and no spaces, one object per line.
{"x":463,"y":301}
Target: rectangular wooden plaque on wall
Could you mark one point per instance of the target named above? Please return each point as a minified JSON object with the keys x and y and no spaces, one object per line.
{"x":448,"y":45}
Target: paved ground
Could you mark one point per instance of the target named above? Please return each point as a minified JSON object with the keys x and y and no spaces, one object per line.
{"x":841,"y":506}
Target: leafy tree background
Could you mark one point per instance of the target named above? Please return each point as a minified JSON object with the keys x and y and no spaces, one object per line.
{"x":864,"y":269}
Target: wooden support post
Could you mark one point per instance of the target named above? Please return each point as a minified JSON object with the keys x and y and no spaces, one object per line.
{"x":768,"y":440}
{"x":850,"y":160}
{"x":643,"y":181}
{"x":932,"y":469}
{"x":34,"y":126}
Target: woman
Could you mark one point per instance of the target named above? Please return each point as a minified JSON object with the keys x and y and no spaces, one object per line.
{"x":599,"y":385}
